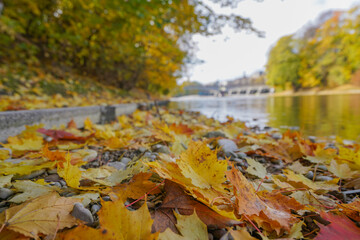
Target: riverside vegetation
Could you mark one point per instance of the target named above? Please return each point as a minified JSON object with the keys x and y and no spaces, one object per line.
{"x":171,"y":174}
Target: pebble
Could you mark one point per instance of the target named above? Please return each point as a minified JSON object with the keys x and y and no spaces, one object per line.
{"x":219,"y":233}
{"x":57,"y":184}
{"x":210,"y":236}
{"x":52,"y":171}
{"x":3,"y":209}
{"x":241,"y":155}
{"x":82,"y":213}
{"x":310,"y":175}
{"x":161,"y":149}
{"x":323,"y":178}
{"x":106,"y":198}
{"x":30,"y":176}
{"x":117,"y":165}
{"x":214,"y":134}
{"x":240,"y":161}
{"x":5,"y":193}
{"x":3,"y":204}
{"x":52,"y":178}
{"x":125,"y":160}
{"x":276,"y":136}
{"x":322,"y":167}
{"x":142,"y":149}
{"x":63,"y":183}
{"x":95,"y":208}
{"x":147,"y":154}
{"x":227,"y":145}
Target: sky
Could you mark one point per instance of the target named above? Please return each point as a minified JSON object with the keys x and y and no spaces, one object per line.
{"x":231,"y":55}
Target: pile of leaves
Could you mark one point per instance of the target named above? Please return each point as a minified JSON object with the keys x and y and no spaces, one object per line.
{"x":176,"y":175}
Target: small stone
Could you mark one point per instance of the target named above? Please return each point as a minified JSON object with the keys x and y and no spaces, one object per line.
{"x":276,"y":136}
{"x":3,"y":209}
{"x":214,"y":134}
{"x":240,"y":161}
{"x":57,"y":184}
{"x":210,"y":236}
{"x":5,"y":193}
{"x":147,"y":154}
{"x":310,"y":175}
{"x":312,"y":139}
{"x":106,"y":198}
{"x":160,"y":149}
{"x":142,"y":149}
{"x":30,"y":176}
{"x":241,"y":155}
{"x":323,"y":178}
{"x":95,"y":208}
{"x":82,"y":213}
{"x":117,"y":165}
{"x":90,"y":154}
{"x":70,"y":194}
{"x":52,"y":171}
{"x":52,"y":178}
{"x":125,"y":160}
{"x":63,"y":183}
{"x":322,"y":167}
{"x":227,"y":145}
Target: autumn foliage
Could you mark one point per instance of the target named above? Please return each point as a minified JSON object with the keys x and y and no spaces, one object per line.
{"x":176,"y":183}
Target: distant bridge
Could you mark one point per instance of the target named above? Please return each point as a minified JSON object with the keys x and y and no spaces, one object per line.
{"x":250,"y":90}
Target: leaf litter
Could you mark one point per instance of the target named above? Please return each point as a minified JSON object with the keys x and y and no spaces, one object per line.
{"x":171,"y":174}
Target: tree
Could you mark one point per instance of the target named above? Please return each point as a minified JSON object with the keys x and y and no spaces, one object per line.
{"x":128,"y":44}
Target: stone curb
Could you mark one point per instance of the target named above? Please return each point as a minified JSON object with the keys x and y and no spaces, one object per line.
{"x":13,"y":123}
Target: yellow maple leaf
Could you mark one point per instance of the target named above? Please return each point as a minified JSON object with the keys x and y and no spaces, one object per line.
{"x":70,"y":173}
{"x":200,"y":164}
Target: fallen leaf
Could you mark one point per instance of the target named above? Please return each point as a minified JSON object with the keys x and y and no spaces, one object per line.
{"x":352,"y":210}
{"x":116,"y":223}
{"x":190,"y":227}
{"x":340,"y":227}
{"x":200,"y":164}
{"x":70,"y":173}
{"x":29,"y":190}
{"x":176,"y":198}
{"x":241,"y":234}
{"x":137,"y":187}
{"x":273,"y":209}
{"x":255,"y":168}
{"x":45,"y":214}
{"x":5,"y":181}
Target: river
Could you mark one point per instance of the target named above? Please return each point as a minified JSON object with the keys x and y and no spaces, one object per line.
{"x":321,"y":116}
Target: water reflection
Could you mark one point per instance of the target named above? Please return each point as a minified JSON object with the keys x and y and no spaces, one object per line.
{"x":320,"y":116}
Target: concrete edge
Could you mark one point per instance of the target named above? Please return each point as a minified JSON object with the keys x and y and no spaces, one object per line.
{"x":13,"y":123}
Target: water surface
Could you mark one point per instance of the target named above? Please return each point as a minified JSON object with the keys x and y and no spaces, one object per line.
{"x":320,"y":116}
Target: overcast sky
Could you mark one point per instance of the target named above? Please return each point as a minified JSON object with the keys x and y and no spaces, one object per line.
{"x":231,"y":54}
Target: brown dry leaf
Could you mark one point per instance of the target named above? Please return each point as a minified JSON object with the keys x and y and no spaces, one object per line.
{"x":138,"y":186}
{"x":45,"y":214}
{"x":270,"y":210}
{"x":352,"y":210}
{"x":176,"y":198}
{"x":116,"y":223}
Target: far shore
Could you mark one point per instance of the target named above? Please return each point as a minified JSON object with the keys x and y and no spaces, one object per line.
{"x":345,"y":89}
